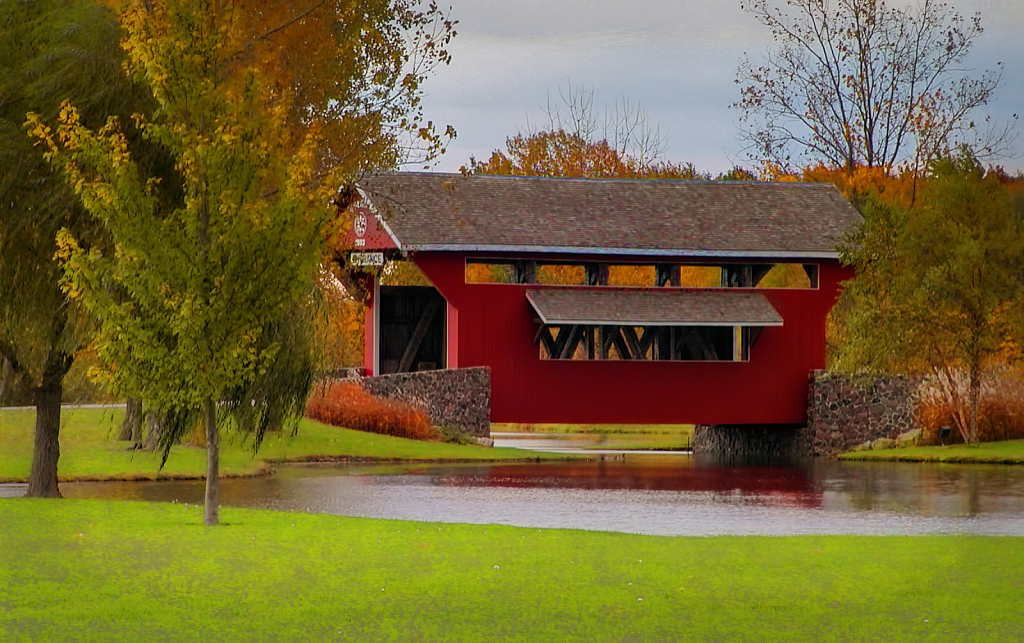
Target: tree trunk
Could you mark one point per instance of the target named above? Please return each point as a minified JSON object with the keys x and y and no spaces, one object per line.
{"x":949,"y":386}
{"x":5,"y":381}
{"x":131,"y":428}
{"x":154,"y":431}
{"x":211,"y":513}
{"x":42,"y":480}
{"x":974,"y":396}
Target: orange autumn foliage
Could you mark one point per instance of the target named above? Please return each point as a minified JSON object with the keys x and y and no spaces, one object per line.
{"x":560,"y":153}
{"x":340,"y":327}
{"x":861,"y":181}
{"x":346,"y":404}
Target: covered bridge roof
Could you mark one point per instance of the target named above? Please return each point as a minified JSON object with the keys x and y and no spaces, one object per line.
{"x":562,"y":306}
{"x":453,"y":212}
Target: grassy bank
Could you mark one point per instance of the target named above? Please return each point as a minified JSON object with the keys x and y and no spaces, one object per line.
{"x":89,"y":449}
{"x":115,"y":571}
{"x":1008,"y":452}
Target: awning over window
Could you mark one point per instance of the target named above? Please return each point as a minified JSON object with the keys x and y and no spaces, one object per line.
{"x":564,"y":306}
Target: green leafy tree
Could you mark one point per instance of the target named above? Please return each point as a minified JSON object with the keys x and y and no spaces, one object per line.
{"x":50,"y":51}
{"x":939,"y":287}
{"x":191,"y":297}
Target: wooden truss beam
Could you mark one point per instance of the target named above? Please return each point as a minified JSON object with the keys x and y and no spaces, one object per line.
{"x":744,"y":275}
{"x":545,"y":339}
{"x":573,"y":336}
{"x":668,"y":275}
{"x":597,"y":274}
{"x":699,"y":347}
{"x":633,"y":342}
{"x":524,"y":272}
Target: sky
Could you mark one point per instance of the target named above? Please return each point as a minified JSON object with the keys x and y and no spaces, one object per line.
{"x":676,"y":59}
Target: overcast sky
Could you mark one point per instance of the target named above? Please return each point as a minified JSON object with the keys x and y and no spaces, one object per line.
{"x":677,"y":59}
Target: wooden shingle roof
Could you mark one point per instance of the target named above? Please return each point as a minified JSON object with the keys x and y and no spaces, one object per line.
{"x":435,"y":211}
{"x":606,"y":306}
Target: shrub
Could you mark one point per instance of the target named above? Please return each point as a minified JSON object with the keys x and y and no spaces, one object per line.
{"x":347,"y":405}
{"x":454,"y":434}
{"x":1000,"y":411}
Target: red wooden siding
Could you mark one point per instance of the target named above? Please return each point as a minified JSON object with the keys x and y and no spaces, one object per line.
{"x":495,"y":327}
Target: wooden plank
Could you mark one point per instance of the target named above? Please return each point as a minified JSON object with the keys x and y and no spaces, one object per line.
{"x":700,"y":348}
{"x":575,"y":334}
{"x":759,"y":272}
{"x":635,"y":351}
{"x":525,"y":272}
{"x":417,"y":335}
{"x":561,"y":339}
{"x":746,"y":276}
{"x":668,"y":275}
{"x":544,"y":337}
{"x":597,"y":274}
{"x":812,"y":273}
{"x":620,"y":343}
{"x":650,"y":334}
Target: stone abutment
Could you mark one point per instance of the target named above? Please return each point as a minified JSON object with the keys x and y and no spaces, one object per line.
{"x":843,"y":411}
{"x":460,"y":396}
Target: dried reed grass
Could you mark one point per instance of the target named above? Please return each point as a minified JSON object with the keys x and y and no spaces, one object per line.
{"x":1000,"y":409}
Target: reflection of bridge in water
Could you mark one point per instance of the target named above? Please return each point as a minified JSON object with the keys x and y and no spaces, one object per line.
{"x":788,"y":485}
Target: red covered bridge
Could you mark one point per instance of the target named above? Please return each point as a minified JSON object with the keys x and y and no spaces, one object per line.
{"x":607,"y":301}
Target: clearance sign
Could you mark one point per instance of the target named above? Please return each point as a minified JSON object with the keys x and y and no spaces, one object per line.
{"x":366,"y":259}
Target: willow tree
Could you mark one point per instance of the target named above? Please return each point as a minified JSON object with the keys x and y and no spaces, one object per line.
{"x":50,"y":51}
{"x":187,"y":295}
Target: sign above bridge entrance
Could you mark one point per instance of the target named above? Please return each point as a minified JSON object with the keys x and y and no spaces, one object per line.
{"x":364,"y":259}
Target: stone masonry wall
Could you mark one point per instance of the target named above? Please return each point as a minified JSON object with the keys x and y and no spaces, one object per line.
{"x":459,"y":396}
{"x":846,"y":410}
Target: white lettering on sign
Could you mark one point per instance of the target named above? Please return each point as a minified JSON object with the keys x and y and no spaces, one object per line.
{"x":360,"y":224}
{"x":360,"y":243}
{"x":366,"y":259}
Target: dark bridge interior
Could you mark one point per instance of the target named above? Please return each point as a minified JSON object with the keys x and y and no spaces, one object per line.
{"x":411,"y":329}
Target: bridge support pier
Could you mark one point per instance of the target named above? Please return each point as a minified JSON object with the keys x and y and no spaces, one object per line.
{"x":756,"y":441}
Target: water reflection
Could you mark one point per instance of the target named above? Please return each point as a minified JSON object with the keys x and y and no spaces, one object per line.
{"x":652,"y":494}
{"x":595,"y":443}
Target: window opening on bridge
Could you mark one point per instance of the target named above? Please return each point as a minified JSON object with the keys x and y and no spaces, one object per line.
{"x":651,"y":343}
{"x":653,"y":324}
{"x":642,"y":275}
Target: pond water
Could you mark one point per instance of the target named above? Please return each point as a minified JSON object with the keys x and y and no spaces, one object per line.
{"x":667,"y":494}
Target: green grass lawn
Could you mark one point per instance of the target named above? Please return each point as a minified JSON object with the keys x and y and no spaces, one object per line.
{"x":1008,"y":452}
{"x":85,"y":570}
{"x":89,"y":449}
